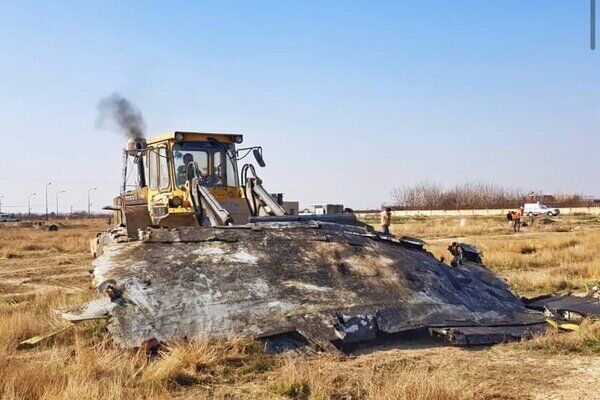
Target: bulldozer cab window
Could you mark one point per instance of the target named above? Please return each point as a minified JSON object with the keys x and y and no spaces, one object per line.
{"x":198,"y":160}
{"x":163,"y":168}
{"x":152,"y":169}
{"x":211,"y":162}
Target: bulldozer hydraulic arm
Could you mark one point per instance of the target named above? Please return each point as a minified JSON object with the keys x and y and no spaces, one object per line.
{"x":208,"y":209}
{"x":259,"y":200}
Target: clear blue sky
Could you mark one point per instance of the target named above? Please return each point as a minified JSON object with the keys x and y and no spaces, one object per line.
{"x":349,"y":99}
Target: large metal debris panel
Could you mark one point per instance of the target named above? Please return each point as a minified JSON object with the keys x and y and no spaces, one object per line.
{"x":558,"y":306}
{"x":325,"y":281}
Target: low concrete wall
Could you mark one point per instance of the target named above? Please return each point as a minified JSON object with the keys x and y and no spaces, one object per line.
{"x":466,"y":213}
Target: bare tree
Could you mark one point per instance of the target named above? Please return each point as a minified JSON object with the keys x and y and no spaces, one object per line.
{"x":427,"y":195}
{"x":421,"y":195}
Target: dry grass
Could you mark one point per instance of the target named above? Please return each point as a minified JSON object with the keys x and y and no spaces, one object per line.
{"x":584,"y":341}
{"x":44,"y":271}
{"x":544,"y":257}
{"x":387,"y":378}
{"x":451,"y":227}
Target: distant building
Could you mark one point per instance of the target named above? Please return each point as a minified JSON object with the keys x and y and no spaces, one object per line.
{"x":322,"y":209}
{"x":290,"y":207}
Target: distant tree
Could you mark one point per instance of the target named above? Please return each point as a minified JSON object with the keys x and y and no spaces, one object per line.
{"x":421,"y":195}
{"x":426,"y":195}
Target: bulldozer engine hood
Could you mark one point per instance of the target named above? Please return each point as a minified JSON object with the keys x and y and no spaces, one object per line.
{"x":295,"y":283}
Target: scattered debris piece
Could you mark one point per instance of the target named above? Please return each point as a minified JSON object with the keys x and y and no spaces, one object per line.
{"x":567,"y":307}
{"x":34,"y":341}
{"x":562,"y":326}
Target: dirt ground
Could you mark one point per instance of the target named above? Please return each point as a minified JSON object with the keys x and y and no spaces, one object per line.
{"x":42,"y":271}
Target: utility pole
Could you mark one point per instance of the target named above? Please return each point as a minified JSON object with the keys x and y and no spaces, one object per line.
{"x":48,"y":184}
{"x":90,"y":202}
{"x":57,"y":193}
{"x":29,"y":204}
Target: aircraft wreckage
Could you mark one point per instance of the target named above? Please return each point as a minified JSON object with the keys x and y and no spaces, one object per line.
{"x":195,"y":252}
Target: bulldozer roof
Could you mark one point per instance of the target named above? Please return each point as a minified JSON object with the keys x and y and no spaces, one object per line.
{"x":197,"y":136}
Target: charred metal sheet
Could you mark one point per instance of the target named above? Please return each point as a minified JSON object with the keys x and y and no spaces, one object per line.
{"x":412,"y":242}
{"x":486,"y":335}
{"x":346,"y":219}
{"x":325,"y":281}
{"x":284,"y":342}
{"x":562,"y":306}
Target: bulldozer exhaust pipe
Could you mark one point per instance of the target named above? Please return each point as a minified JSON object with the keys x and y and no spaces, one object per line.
{"x":134,"y":147}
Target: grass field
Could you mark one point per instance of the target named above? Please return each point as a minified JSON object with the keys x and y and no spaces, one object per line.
{"x":41,"y":272}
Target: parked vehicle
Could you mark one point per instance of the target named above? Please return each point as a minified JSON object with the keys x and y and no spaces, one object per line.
{"x":8,"y":218}
{"x":539,"y":209}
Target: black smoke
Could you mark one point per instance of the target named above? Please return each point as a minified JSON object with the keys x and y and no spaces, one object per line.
{"x":115,"y":111}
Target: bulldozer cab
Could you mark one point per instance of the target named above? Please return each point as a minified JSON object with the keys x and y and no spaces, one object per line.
{"x":174,"y":159}
{"x":190,"y":178}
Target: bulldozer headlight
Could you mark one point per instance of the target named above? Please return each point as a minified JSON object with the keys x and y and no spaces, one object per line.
{"x":238,"y":139}
{"x":178,"y":137}
{"x":175,"y":202}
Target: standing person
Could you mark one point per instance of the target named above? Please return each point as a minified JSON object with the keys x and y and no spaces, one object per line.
{"x":386,"y":219}
{"x":516,"y":217}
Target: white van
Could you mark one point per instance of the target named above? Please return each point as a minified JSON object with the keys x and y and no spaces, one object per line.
{"x":8,"y":218}
{"x":539,"y":209}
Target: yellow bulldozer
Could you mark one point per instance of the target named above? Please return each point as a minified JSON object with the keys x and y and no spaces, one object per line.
{"x":193,"y":179}
{"x":189,"y":178}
